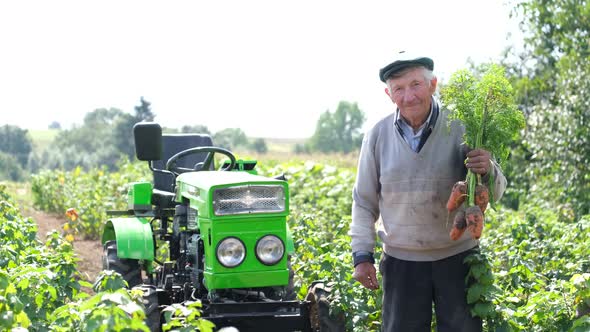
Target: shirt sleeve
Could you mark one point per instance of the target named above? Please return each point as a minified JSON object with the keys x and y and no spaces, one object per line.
{"x":500,"y":182}
{"x":365,"y":195}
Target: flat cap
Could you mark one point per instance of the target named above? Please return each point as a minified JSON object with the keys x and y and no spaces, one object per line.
{"x":404,"y":60}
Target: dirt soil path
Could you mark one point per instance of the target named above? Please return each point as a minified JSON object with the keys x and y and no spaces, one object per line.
{"x":89,"y":252}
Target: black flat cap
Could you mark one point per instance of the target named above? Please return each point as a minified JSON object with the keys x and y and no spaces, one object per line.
{"x":404,"y":60}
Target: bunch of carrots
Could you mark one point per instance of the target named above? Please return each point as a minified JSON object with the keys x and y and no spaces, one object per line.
{"x":472,"y":218}
{"x":491,"y":119}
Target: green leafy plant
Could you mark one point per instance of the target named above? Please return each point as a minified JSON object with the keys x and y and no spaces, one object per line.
{"x":91,"y":193}
{"x":109,"y":281}
{"x":486,"y":107}
{"x":105,"y":311}
{"x":11,"y":307}
{"x":186,"y":317}
{"x":581,"y":287}
{"x":538,"y":264}
{"x":487,"y":110}
{"x":40,"y":286}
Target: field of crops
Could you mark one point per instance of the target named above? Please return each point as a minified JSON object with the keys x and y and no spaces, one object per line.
{"x":531,"y":273}
{"x":40,"y":287}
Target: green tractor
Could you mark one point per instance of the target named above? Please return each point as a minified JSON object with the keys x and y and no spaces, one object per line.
{"x":225,"y":230}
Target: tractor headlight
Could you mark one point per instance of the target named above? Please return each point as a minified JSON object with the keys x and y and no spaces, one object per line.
{"x":270,"y":249}
{"x":249,"y":199}
{"x":231,"y":252}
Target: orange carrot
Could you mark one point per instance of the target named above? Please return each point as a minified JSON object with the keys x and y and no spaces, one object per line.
{"x":459,"y":226}
{"x":457,"y":197}
{"x":482,"y":197}
{"x":474,"y":218}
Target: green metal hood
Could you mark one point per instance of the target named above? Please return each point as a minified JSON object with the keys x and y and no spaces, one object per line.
{"x":207,"y":179}
{"x":199,"y":188}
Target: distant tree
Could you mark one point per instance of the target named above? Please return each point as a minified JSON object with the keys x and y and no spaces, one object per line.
{"x":196,"y":129}
{"x":10,"y":168}
{"x":551,"y":80}
{"x":143,"y":112}
{"x":15,"y":141}
{"x":230,"y":138}
{"x":123,"y":131}
{"x":54,"y":125}
{"x":301,"y":148}
{"x":88,"y":145}
{"x":123,"y":134}
{"x":259,"y":145}
{"x":95,"y":133}
{"x":339,"y":131}
{"x":101,"y":117}
{"x":34,"y":162}
{"x":104,"y":136}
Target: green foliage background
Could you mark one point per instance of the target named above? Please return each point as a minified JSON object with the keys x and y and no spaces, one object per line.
{"x":532,"y":274}
{"x":338,"y":131}
{"x":550,"y":75}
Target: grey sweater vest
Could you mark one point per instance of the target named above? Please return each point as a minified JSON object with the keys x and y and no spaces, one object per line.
{"x":409,"y":191}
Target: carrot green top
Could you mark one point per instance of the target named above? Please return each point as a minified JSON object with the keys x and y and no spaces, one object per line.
{"x":485,"y":105}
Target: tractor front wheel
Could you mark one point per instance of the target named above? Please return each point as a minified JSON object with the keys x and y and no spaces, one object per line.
{"x":128,"y":268}
{"x":284,"y":293}
{"x":319,"y":311}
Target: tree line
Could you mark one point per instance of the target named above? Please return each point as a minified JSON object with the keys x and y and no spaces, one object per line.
{"x":105,"y":137}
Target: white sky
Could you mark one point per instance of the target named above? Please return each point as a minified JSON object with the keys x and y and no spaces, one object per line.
{"x":268,"y":67}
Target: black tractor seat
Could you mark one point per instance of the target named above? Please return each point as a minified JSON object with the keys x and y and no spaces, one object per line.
{"x":173,"y":144}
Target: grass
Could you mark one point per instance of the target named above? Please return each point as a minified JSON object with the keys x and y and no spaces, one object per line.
{"x":281,"y":150}
{"x":282,"y":145}
{"x":275,"y":157}
{"x":42,"y":138}
{"x":20,"y":192}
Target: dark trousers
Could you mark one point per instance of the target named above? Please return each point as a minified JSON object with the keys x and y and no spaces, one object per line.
{"x":410,"y":288}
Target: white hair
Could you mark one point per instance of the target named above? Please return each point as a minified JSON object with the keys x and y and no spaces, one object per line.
{"x":428,"y":75}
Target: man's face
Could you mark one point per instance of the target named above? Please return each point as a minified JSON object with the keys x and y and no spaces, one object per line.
{"x":412,"y":94}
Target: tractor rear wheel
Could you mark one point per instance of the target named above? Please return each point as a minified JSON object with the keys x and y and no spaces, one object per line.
{"x":319,"y":311}
{"x":128,"y":268}
{"x":150,"y":303}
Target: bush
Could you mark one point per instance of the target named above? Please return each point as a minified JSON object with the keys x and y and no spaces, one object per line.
{"x":10,"y":168}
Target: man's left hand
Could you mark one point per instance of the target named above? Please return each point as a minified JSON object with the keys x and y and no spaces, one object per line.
{"x":478,"y":161}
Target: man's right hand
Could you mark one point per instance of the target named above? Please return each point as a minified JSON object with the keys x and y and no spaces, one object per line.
{"x":366,"y":274}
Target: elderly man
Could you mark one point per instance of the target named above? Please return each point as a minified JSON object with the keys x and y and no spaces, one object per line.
{"x":407,"y":166}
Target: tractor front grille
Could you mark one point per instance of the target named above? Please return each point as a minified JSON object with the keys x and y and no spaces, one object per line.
{"x":249,"y":199}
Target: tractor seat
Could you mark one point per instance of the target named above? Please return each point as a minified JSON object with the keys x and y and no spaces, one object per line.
{"x":173,"y":144}
{"x":163,"y":199}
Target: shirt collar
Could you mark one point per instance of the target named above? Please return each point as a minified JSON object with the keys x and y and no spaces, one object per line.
{"x":399,"y":120}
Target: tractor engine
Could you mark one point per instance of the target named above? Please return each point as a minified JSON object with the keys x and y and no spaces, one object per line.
{"x":186,"y":248}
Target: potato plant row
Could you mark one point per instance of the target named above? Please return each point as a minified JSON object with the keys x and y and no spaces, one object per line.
{"x":91,"y":193}
{"x":40,"y":285}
